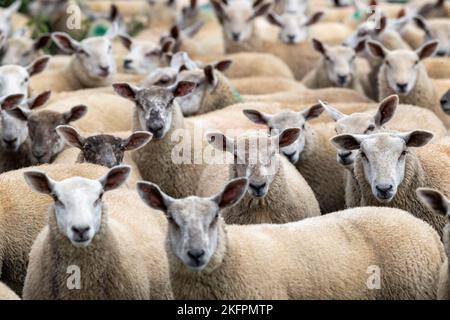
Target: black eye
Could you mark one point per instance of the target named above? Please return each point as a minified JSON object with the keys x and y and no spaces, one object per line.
{"x":416,"y":63}
{"x":363,"y":155}
{"x":303,"y":126}
{"x":404,"y":153}
{"x":370,"y":128}
{"x":388,"y":64}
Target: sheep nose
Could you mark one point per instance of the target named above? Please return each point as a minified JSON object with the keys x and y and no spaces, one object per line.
{"x":444,"y":102}
{"x":196,"y":255}
{"x":127,"y":63}
{"x":291,"y":38}
{"x":258,"y":190}
{"x":441,"y":53}
{"x":80,"y":232}
{"x":402,"y":87}
{"x":342,"y":79}
{"x":9,"y":142}
{"x":289,"y":156}
{"x":156,"y":129}
{"x":384,"y":190}
{"x":104,"y":69}
{"x":39,"y":155}
{"x":236,"y":36}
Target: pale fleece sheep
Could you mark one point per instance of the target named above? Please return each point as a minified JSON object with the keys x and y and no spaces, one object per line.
{"x":22,"y":218}
{"x":265,"y":85}
{"x":403,"y":73}
{"x":118,"y":257}
{"x":387,"y":171}
{"x":277,"y":193}
{"x":326,"y":257}
{"x":7,"y":294}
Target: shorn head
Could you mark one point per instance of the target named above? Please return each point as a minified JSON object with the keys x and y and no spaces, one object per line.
{"x":360,"y":123}
{"x":339,"y":61}
{"x":445,"y":102}
{"x":401,"y":67}
{"x":94,"y":55}
{"x":256,"y":156}
{"x":46,"y":144}
{"x":194,"y":223}
{"x":284,"y":120}
{"x":154,"y":105}
{"x":78,"y":203}
{"x":105,"y":150}
{"x":22,"y":50}
{"x":237,"y":17}
{"x":383,"y":157}
{"x":294,"y":26}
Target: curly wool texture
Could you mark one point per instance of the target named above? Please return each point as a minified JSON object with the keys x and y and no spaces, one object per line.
{"x":444,"y":283}
{"x":126,"y":259}
{"x":6,"y":293}
{"x":421,"y":171}
{"x":316,"y":259}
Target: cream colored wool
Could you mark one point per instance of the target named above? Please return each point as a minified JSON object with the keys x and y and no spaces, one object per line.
{"x":126,"y":259}
{"x":265,"y":85}
{"x":324,"y":257}
{"x":7,"y":294}
{"x":444,"y":285}
{"x":322,"y":32}
{"x":438,"y":67}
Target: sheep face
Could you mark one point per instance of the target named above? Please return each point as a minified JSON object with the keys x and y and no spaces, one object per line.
{"x":293,"y":25}
{"x":22,"y":50}
{"x":193,"y":222}
{"x":143,"y":56}
{"x":162,"y":77}
{"x":154,"y":105}
{"x":48,"y":8}
{"x":13,"y":131}
{"x":285,"y":120}
{"x":445,"y":102}
{"x":237,"y":17}
{"x":93,"y":54}
{"x":401,"y":67}
{"x":383,"y":157}
{"x":5,"y":18}
{"x":104,"y":150}
{"x":360,"y":123}
{"x":78,"y":201}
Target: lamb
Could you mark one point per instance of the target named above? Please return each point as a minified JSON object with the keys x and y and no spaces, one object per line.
{"x":240,"y":35}
{"x":6,"y":293}
{"x":119,"y":257}
{"x":326,"y":257}
{"x":277,"y":192}
{"x":337,"y":68}
{"x":22,"y":50}
{"x":403,"y":73}
{"x":387,"y":171}
{"x":439,"y":204}
{"x":312,"y":154}
{"x":105,"y":150}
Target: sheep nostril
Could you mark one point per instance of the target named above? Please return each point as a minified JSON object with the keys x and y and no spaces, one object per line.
{"x":402,"y":87}
{"x":81,"y":231}
{"x":236,"y":36}
{"x":196,"y":254}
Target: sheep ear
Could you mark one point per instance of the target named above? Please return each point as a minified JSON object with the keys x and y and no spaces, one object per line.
{"x":376,"y":49}
{"x":220,"y":142}
{"x":427,"y":50}
{"x":313,"y":112}
{"x":319,"y":46}
{"x":168,"y":45}
{"x":256,"y":116}
{"x":417,"y":138}
{"x":126,"y":41}
{"x":261,"y":10}
{"x":42,"y":42}
{"x":219,"y":10}
{"x":11,"y":101}
{"x":182,"y":88}
{"x":223,"y":65}
{"x":70,"y":136}
{"x":137,"y":140}
{"x":210,"y":77}
{"x":287,"y":137}
{"x":13,"y":8}
{"x":112,"y":31}
{"x":39,"y":182}
{"x":232,"y":193}
{"x":152,"y":196}
{"x":382,"y":25}
{"x":347,"y":141}
{"x":39,"y":100}
{"x":360,"y":46}
{"x":19,"y":113}
{"x":75,"y":113}
{"x":126,"y":90}
{"x":115,"y":177}
{"x":38,"y":65}
{"x":65,"y":42}
{"x":315,"y":18}
{"x":332,"y":112}
{"x":386,"y":110}
{"x":435,"y":200}
{"x":191,"y":31}
{"x":422,"y":24}
{"x":275,"y":19}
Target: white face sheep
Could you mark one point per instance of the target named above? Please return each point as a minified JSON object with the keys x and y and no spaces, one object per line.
{"x":78,"y":201}
{"x":104,"y":150}
{"x":401,"y":67}
{"x":383,"y":157}
{"x":22,"y":50}
{"x":237,"y":17}
{"x":285,"y":120}
{"x":293,"y":25}
{"x":5,"y":18}
{"x":193,"y":237}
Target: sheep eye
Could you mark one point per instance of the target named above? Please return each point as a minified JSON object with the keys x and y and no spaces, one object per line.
{"x":416,"y":63}
{"x":388,"y":64}
{"x":303,"y":126}
{"x":404,"y":153}
{"x":370,"y":128}
{"x":363,"y":155}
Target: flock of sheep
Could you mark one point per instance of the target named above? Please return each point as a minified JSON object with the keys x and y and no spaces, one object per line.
{"x":274,"y":149}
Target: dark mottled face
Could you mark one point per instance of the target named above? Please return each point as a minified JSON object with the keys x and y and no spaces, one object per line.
{"x":154,"y":107}
{"x":104,"y":150}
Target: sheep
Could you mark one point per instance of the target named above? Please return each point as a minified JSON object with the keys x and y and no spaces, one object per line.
{"x":312,"y":154}
{"x":277,"y":192}
{"x":44,"y":142}
{"x":22,"y":50}
{"x":118,"y":257}
{"x":265,"y":85}
{"x":439,"y":204}
{"x":7,"y":294}
{"x":387,"y":171}
{"x":336,"y":69}
{"x":326,"y":257}
{"x":104,"y":149}
{"x":240,"y":35}
{"x":403,"y":73}
{"x":436,"y":29}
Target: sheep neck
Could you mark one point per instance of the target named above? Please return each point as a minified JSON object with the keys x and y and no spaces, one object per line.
{"x":223,"y":95}
{"x":79,"y":78}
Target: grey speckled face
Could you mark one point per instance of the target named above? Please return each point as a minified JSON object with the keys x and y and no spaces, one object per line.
{"x":104,"y":150}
